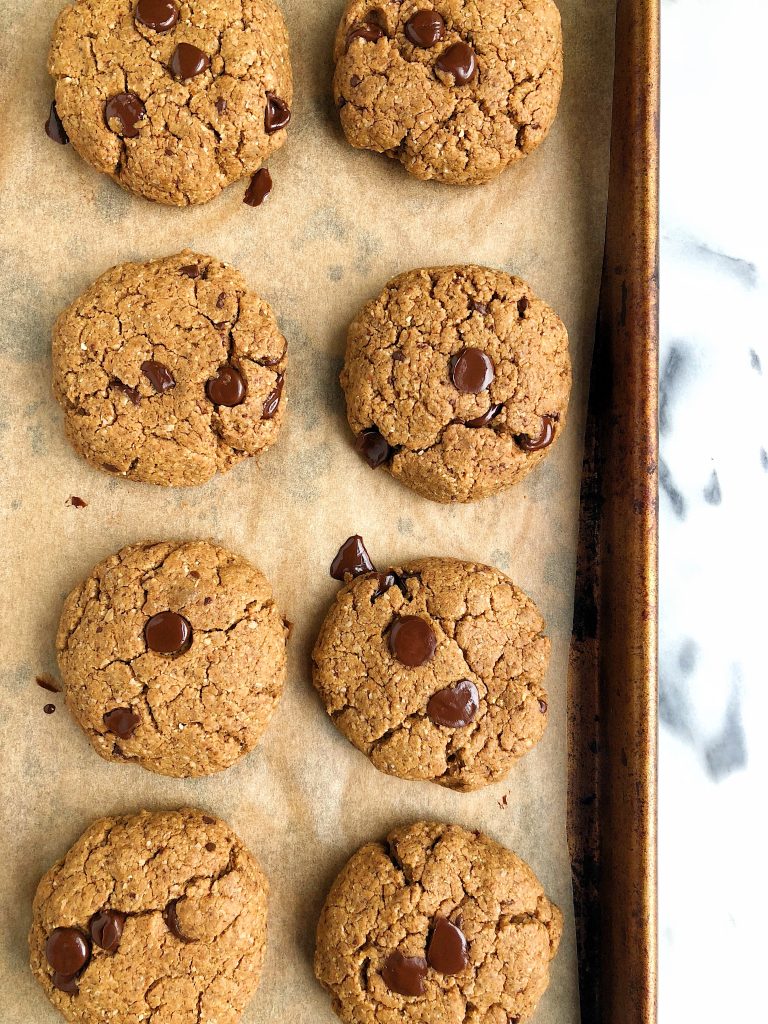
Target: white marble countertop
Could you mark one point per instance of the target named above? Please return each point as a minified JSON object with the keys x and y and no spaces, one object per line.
{"x":714,"y":510}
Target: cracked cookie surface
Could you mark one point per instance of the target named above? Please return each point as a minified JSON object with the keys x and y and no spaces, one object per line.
{"x":386,"y":902}
{"x":464,"y":715}
{"x":454,"y":89}
{"x":173,"y":656}
{"x":181,"y":905}
{"x":170,"y":371}
{"x":457,"y":379}
{"x":129,"y":109}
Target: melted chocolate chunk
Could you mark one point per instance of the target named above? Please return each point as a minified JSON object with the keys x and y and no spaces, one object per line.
{"x":106,"y":929}
{"x":54,"y":129}
{"x":65,"y":983}
{"x":277,"y":114}
{"x":486,"y":418}
{"x":122,"y":722}
{"x":455,"y":706}
{"x":472,"y":371}
{"x":49,"y":709}
{"x":227,"y":388}
{"x":459,"y":62}
{"x":67,"y":951}
{"x":158,"y":375}
{"x":168,"y":633}
{"x":372,"y":446}
{"x":172,"y":921}
{"x":259,"y":189}
{"x":132,"y":394}
{"x":544,"y":440}
{"x":76,"y":502}
{"x":368,"y":31}
{"x":386,"y":580}
{"x":412,"y":641}
{"x":46,"y":683}
{"x":188,"y":61}
{"x":272,"y":401}
{"x":425,"y":29}
{"x":404,"y":974}
{"x":191,"y":271}
{"x":351,"y":560}
{"x":447,"y":950}
{"x":124,"y":113}
{"x":157,"y":15}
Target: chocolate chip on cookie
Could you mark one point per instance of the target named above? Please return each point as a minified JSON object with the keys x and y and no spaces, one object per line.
{"x":182,"y":399}
{"x":173,"y":656}
{"x":457,"y":380}
{"x":457,"y":92}
{"x":435,"y":670}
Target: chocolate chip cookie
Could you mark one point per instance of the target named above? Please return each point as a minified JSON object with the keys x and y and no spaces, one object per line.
{"x":455,"y":90}
{"x":457,"y":381}
{"x":436,"y":925}
{"x":435,"y":670}
{"x":173,"y":657}
{"x":174,"y":100}
{"x":159,"y":916}
{"x":170,"y":371}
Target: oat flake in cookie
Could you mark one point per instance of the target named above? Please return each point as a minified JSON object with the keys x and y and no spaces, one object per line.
{"x":167,"y":371}
{"x":436,"y":925}
{"x":456,"y":91}
{"x":174,"y":100}
{"x":435,"y":670}
{"x":173,"y":656}
{"x":159,"y":916}
{"x":457,"y":380}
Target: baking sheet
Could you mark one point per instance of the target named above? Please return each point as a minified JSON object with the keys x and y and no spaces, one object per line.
{"x":338,"y":225}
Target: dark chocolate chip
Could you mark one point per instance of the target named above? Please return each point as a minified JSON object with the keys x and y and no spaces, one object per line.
{"x":67,"y":950}
{"x":132,"y":394}
{"x":522,"y":305}
{"x":158,"y":375}
{"x":355,"y":80}
{"x":351,"y":560}
{"x":158,"y":15}
{"x":486,"y":418}
{"x":221,"y":301}
{"x":544,"y":440}
{"x":472,"y":371}
{"x":76,"y":502}
{"x":543,"y":706}
{"x":221,"y":105}
{"x":171,"y":919}
{"x":49,"y":709}
{"x":209,"y":821}
{"x":478,"y":307}
{"x":459,"y":62}
{"x":404,"y":974}
{"x":192,"y":271}
{"x":124,"y":113}
{"x":372,"y":446}
{"x":227,"y":387}
{"x":54,"y":129}
{"x":277,"y":114}
{"x":368,"y":31}
{"x":272,"y":401}
{"x":122,"y":722}
{"x":46,"y":683}
{"x":455,"y":706}
{"x":65,"y":983}
{"x":110,"y":468}
{"x":106,"y":929}
{"x":188,"y":61}
{"x":259,"y":189}
{"x":425,"y":29}
{"x":168,"y":633}
{"x":210,"y":847}
{"x":447,"y":950}
{"x":412,"y":641}
{"x":386,"y":580}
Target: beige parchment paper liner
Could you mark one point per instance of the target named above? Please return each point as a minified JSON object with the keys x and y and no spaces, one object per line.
{"x":338,"y":225}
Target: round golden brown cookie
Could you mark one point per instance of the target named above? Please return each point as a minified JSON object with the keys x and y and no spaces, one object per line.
{"x":159,"y":916}
{"x":457,"y":380}
{"x":173,"y":656}
{"x":435,"y":669}
{"x":436,"y":925}
{"x":174,"y":99}
{"x":170,"y":371}
{"x":453,"y":89}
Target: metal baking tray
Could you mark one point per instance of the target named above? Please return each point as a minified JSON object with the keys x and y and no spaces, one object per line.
{"x":613,"y":664}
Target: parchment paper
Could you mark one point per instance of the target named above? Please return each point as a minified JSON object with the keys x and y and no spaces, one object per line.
{"x":339,"y":224}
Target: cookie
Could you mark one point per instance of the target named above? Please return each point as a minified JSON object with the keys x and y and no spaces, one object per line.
{"x":172,"y":656}
{"x":174,"y":100}
{"x":170,"y":371}
{"x":435,"y":670}
{"x":437,"y":926}
{"x":457,"y":380}
{"x":160,"y":916}
{"x":454,"y":90}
